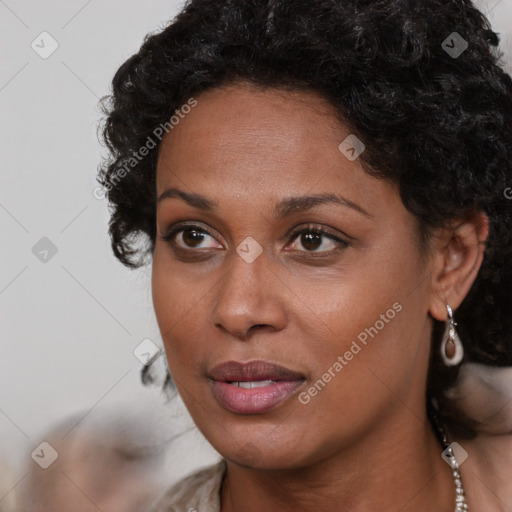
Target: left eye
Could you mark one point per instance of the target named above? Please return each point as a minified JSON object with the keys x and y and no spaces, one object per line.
{"x":317,"y":240}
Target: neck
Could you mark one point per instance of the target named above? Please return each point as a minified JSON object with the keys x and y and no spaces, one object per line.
{"x":402,"y":470}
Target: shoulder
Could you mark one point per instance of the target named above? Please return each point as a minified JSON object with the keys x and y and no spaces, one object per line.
{"x":198,"y":492}
{"x":486,"y":472}
{"x":484,"y":395}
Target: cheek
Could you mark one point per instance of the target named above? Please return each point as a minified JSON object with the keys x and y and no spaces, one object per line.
{"x":181,"y":307}
{"x":374,"y":319}
{"x":176,"y":304}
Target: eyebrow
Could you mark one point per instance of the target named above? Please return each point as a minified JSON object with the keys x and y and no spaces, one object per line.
{"x":283,"y":209}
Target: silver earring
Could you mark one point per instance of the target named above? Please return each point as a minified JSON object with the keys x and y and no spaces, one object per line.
{"x":452,"y":350}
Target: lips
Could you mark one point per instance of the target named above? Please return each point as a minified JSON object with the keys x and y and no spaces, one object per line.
{"x":254,"y":387}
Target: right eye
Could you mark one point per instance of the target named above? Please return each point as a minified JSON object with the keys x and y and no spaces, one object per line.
{"x":188,"y":237}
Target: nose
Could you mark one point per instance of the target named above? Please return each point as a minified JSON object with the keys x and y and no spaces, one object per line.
{"x":249,"y":298}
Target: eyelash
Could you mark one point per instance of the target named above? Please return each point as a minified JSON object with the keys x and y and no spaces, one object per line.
{"x":310,"y":228}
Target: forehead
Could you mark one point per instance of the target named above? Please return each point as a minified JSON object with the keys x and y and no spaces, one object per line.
{"x":244,"y":119}
{"x":248,"y":142}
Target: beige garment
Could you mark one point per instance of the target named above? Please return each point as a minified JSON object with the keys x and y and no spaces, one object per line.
{"x":199,"y":492}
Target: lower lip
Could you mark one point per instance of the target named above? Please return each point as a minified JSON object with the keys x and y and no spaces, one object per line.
{"x":254,"y":400}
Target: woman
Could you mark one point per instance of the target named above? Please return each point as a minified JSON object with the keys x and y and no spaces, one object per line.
{"x":323,"y":188}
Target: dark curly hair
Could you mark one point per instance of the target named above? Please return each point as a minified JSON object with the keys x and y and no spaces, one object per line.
{"x":437,"y":124}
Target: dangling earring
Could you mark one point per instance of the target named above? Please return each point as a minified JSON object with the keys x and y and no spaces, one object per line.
{"x":452,"y":350}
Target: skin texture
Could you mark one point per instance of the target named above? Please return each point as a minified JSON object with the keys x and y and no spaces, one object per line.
{"x":363,"y":442}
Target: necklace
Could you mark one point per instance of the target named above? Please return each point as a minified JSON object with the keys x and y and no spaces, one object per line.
{"x":460,"y":496}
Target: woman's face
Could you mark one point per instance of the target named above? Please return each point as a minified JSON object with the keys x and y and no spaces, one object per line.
{"x":288,"y":254}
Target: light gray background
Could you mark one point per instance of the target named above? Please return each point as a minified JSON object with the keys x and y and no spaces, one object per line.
{"x":70,"y":325}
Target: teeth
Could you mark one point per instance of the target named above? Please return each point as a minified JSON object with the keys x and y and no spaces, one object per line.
{"x":253,"y":384}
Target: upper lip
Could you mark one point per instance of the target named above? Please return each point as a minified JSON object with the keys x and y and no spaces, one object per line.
{"x":233,"y":371}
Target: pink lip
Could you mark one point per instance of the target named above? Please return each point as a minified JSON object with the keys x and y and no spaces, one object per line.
{"x":253,"y":400}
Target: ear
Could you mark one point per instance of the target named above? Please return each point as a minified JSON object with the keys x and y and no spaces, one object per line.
{"x":458,"y":252}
